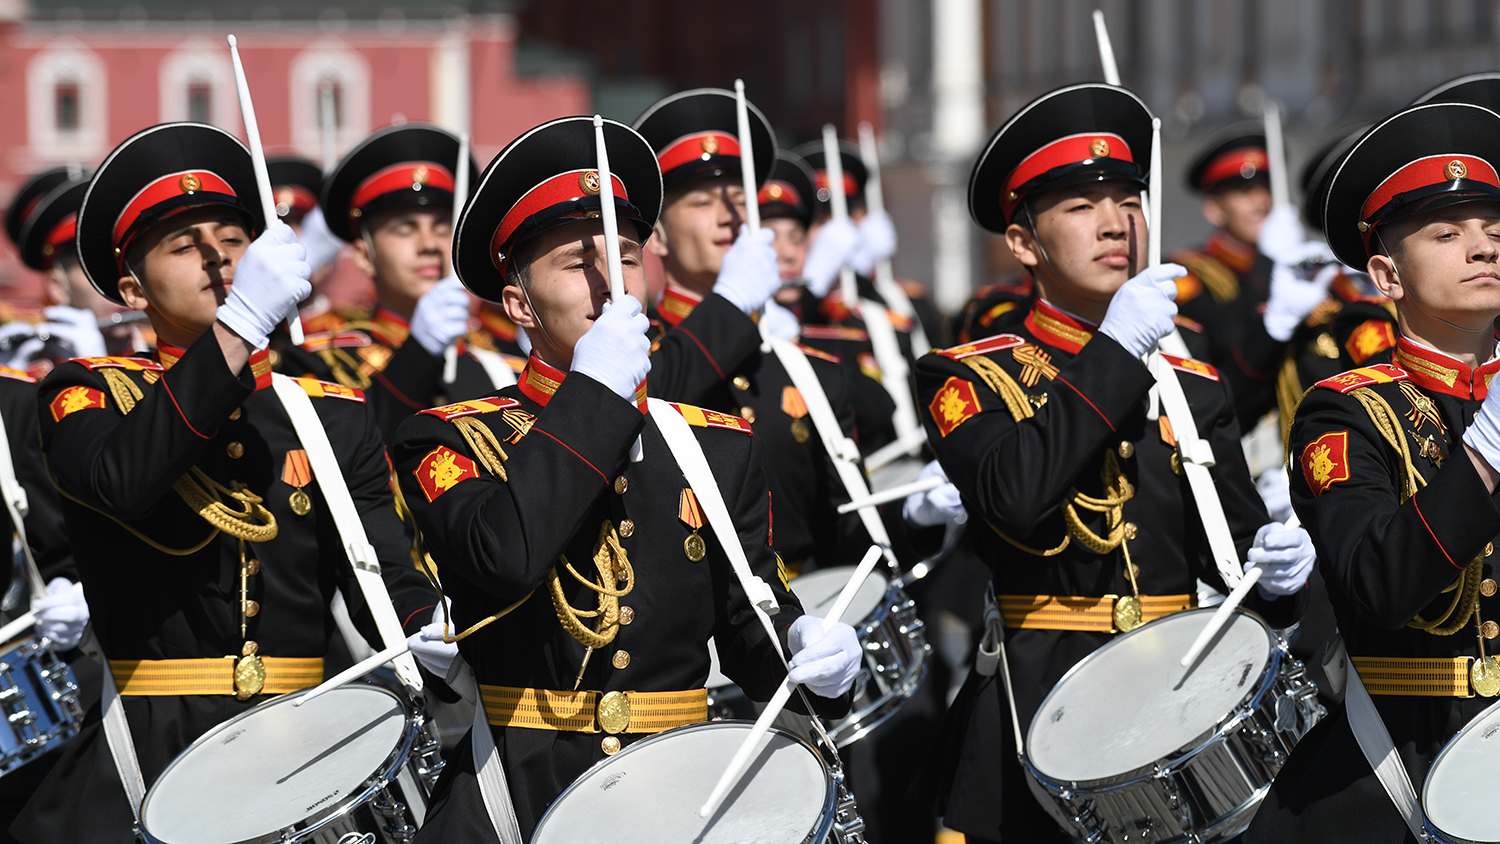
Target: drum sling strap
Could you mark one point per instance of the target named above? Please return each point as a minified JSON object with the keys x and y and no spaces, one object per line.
{"x":500,"y":373}
{"x":893,"y":369}
{"x":1375,"y":743}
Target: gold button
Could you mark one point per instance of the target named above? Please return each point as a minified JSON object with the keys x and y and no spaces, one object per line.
{"x":1132,"y":570}
{"x":748,"y":414}
{"x":252,"y":609}
{"x":1131,"y":531}
{"x":627,"y":527}
{"x":621,"y":659}
{"x":1488,"y":587}
{"x":235,"y":450}
{"x":1490,"y":629}
{"x":610,"y":745}
{"x":627,"y":615}
{"x":621,"y":485}
{"x":237,"y":413}
{"x":741,"y":382}
{"x":1489,"y":548}
{"x":252,"y":567}
{"x":1127,"y":449}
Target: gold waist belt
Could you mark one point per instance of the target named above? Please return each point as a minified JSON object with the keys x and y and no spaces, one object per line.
{"x":211,"y":676}
{"x":592,"y":712}
{"x":1091,"y":613}
{"x":1416,"y":677}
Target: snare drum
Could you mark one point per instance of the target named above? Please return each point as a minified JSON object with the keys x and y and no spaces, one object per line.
{"x":650,"y":792}
{"x":1457,"y":796}
{"x":38,"y":701}
{"x":339,"y":770}
{"x":1130,"y":746}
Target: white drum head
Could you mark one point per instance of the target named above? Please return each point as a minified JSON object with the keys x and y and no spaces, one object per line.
{"x":818,"y":591}
{"x":1130,"y":703}
{"x":650,"y":792}
{"x":1460,"y":788}
{"x":274,"y":766}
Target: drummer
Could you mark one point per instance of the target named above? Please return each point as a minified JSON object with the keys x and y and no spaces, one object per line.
{"x":203,"y":543}
{"x":1395,"y":469}
{"x":1074,"y":493}
{"x":591,"y":582}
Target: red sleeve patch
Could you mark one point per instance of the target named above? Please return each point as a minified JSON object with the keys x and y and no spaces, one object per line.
{"x":1325,"y":461}
{"x":75,"y":399}
{"x":1372,"y":337}
{"x":1363,"y":377}
{"x":443,"y":469}
{"x":1196,"y":367}
{"x":953,"y":405}
{"x":450,"y":412}
{"x":999,"y":342}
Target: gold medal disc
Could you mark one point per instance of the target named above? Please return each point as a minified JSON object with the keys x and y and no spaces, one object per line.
{"x":249,"y":677}
{"x":300,"y":502}
{"x":799,"y":431}
{"x":1127,"y":613}
{"x":694,"y":547}
{"x":1484,"y":675}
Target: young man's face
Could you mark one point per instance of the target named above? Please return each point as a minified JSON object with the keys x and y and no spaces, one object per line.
{"x":1444,"y":265}
{"x":699,"y":222}
{"x":566,"y":286}
{"x":791,"y":245}
{"x":411,"y":253}
{"x":184,"y":268}
{"x":1239,"y":210}
{"x":1092,"y":240}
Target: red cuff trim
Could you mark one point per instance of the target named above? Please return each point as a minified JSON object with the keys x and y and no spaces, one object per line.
{"x":1435,"y":540}
{"x":570,"y":449}
{"x":1089,"y":403}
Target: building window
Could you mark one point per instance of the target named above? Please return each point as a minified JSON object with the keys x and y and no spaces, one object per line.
{"x":330,"y":104}
{"x":196,"y":83}
{"x":329,"y":100}
{"x":67,"y":103}
{"x":65,"y":106}
{"x":200,"y":101}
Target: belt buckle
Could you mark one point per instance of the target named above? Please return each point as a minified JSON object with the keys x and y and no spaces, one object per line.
{"x":1484,"y":676}
{"x":613,"y":712}
{"x":1125,"y":614}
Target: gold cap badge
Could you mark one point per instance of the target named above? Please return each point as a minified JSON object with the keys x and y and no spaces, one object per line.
{"x":420,"y":176}
{"x":1457,"y":170}
{"x":709,"y":145}
{"x":774,"y":191}
{"x":190,"y":183}
{"x":1099,"y":148}
{"x":588,"y":182}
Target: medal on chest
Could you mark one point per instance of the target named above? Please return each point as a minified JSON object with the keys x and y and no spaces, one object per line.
{"x":691,"y":514}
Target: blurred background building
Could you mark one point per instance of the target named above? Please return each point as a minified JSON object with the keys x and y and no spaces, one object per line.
{"x":934,"y":77}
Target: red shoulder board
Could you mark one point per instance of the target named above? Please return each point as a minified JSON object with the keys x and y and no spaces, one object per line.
{"x":999,"y":342}
{"x":834,"y":332}
{"x":132,"y":364}
{"x":16,"y":374}
{"x":1197,"y":367}
{"x":700,"y":418}
{"x":1363,"y":377}
{"x":819,"y":353}
{"x":1190,"y":324}
{"x":319,"y":389}
{"x":450,"y":412}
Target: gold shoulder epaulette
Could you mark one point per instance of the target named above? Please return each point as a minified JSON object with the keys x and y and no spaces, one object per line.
{"x":999,"y":342}
{"x":702,"y":418}
{"x":16,"y":375}
{"x":450,"y":412}
{"x":1363,"y":377}
{"x":1197,"y":367}
{"x":1219,"y":279}
{"x":131,"y":364}
{"x":327,"y":389}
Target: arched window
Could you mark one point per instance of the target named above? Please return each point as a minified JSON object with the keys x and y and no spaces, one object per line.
{"x":66,"y":103}
{"x":330,"y":99}
{"x":196,"y":82}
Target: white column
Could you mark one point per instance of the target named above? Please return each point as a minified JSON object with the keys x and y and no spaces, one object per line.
{"x":958,"y":127}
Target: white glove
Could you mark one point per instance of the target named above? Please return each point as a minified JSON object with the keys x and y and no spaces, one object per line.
{"x":1142,"y":310}
{"x":826,"y":663}
{"x":936,"y":506}
{"x":779,"y":322}
{"x":1281,"y":235}
{"x":1483,"y":435}
{"x":427,"y":644}
{"x":749,"y":274}
{"x":24,"y":344}
{"x":1275,"y":489}
{"x":323,"y":246}
{"x":1296,"y":289}
{"x":76,"y":327}
{"x":615,"y":351}
{"x":1286,"y":554}
{"x":62,"y":614}
{"x":269,"y":282}
{"x":830,"y":251}
{"x":877,"y":241}
{"x":442,"y":315}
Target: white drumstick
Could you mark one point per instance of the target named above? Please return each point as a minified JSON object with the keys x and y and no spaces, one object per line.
{"x":895,"y":493}
{"x":611,"y":236}
{"x":778,"y":701}
{"x":838,"y":203}
{"x":258,"y":163}
{"x":900,"y":447}
{"x":460,"y":197}
{"x":1281,"y":193}
{"x":1221,"y":615}
{"x":1106,"y":50}
{"x":747,"y":158}
{"x":14,"y":628}
{"x":354,"y":672}
{"x":1154,"y":191}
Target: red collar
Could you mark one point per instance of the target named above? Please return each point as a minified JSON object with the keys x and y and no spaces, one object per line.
{"x":260,"y":362}
{"x":1057,"y":329}
{"x":389,"y":328}
{"x":495,"y":322}
{"x":1439,"y":373}
{"x":539,"y":382}
{"x":676,"y":304}
{"x":1230,"y":252}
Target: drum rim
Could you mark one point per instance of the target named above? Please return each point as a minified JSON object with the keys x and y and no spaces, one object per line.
{"x":1152,"y":770}
{"x":1474,"y":722}
{"x":819,"y":832}
{"x":70,"y":719}
{"x":861,"y":722}
{"x":381,"y":778}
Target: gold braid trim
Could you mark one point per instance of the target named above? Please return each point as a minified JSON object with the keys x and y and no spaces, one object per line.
{"x":483,"y":442}
{"x":609,"y":560}
{"x":344,"y":368}
{"x":1289,"y":394}
{"x":999,"y":380}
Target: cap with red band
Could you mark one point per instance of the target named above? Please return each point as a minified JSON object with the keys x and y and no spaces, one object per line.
{"x":565,"y":188}
{"x":1246,"y":163}
{"x":1235,"y":155}
{"x":698,"y":147}
{"x":294,"y":200}
{"x":398,"y":178}
{"x":1429,"y":172}
{"x":1085,"y":148}
{"x":60,"y":234}
{"x":820,"y":179}
{"x":782,"y":192}
{"x":696,"y":136}
{"x":190,"y":183}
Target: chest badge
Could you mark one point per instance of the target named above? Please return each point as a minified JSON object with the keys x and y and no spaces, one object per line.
{"x":691,"y":514}
{"x":1035,"y":363}
{"x":1423,"y":411}
{"x":793,"y":405}
{"x":297,"y":472}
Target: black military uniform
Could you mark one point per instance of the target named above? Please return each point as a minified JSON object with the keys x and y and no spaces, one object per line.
{"x":399,"y":166}
{"x":694,"y":136}
{"x":560,"y":490}
{"x":1029,"y":423}
{"x":1395,"y":506}
{"x":136,"y":448}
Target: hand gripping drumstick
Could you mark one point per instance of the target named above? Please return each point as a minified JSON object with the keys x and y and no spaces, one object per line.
{"x":778,"y":701}
{"x":258,"y":162}
{"x":1221,"y":615}
{"x":611,"y":236}
{"x":460,"y":197}
{"x":354,"y":672}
